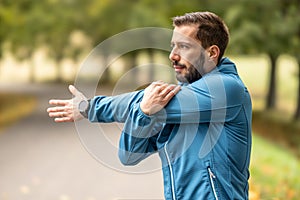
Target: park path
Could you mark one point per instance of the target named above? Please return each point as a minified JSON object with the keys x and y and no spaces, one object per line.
{"x":42,"y":160}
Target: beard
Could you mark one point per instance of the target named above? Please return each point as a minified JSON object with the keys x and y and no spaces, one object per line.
{"x":193,"y":72}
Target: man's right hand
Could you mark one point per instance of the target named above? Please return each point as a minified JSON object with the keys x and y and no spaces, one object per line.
{"x":157,"y":95}
{"x":67,"y":110}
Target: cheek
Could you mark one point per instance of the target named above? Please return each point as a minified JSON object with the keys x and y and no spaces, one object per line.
{"x":192,"y":57}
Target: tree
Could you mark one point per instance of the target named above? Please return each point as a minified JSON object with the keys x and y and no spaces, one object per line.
{"x":294,"y":14}
{"x":27,"y":25}
{"x":261,"y":27}
{"x":16,"y":28}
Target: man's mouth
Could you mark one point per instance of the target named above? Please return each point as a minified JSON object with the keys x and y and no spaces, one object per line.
{"x":178,"y":67}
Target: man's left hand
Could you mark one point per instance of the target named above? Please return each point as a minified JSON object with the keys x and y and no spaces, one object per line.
{"x":157,"y":95}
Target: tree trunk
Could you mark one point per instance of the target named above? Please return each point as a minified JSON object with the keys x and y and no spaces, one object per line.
{"x":152,"y":65}
{"x":271,"y":96}
{"x":133,"y":68}
{"x":297,"y":112}
{"x":106,"y":76}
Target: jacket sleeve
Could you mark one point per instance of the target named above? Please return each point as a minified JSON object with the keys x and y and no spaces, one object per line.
{"x":113,"y":108}
{"x":138,"y":138}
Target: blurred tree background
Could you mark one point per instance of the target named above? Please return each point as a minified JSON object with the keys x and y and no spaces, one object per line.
{"x":67,"y":30}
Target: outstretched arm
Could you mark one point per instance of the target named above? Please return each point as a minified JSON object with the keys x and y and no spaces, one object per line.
{"x":115,"y":108}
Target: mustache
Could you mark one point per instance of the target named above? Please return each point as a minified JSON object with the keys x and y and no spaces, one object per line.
{"x":178,"y":64}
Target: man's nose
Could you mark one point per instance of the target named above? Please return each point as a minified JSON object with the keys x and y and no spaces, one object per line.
{"x":174,"y":56}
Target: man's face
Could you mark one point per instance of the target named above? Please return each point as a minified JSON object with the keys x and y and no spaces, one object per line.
{"x":187,"y":55}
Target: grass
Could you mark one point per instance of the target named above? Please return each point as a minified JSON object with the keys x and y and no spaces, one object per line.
{"x":274,"y":172}
{"x":274,"y":127}
{"x":13,"y":107}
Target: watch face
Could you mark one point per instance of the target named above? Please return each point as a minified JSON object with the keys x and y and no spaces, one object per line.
{"x":83,"y":105}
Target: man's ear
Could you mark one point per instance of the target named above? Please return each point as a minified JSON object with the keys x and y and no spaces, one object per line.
{"x":213,"y":52}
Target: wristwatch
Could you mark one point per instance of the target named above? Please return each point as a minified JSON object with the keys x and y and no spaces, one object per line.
{"x":84,"y":107}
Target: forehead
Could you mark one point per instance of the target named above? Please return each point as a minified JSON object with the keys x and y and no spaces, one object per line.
{"x":186,"y":33}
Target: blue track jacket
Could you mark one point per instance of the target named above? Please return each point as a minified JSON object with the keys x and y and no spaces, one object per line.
{"x":203,"y":135}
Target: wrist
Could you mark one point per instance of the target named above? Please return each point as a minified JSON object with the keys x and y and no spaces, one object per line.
{"x":84,"y":107}
{"x":143,"y":109}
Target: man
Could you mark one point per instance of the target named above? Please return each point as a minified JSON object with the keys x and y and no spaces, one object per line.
{"x":201,"y":129}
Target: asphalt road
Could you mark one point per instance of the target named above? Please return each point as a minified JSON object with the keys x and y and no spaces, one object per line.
{"x":43,"y":160}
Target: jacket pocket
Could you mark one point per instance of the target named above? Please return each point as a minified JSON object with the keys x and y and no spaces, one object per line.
{"x":212,"y":180}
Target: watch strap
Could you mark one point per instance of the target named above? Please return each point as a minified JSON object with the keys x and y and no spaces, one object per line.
{"x":85,"y":113}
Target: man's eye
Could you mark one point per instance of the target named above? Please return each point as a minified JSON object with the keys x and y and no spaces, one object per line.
{"x":183,"y":46}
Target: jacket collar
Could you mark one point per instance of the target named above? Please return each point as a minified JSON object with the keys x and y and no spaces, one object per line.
{"x":226,"y":66}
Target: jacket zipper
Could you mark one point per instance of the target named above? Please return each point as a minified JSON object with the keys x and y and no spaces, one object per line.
{"x":171,"y":173}
{"x":211,"y":178}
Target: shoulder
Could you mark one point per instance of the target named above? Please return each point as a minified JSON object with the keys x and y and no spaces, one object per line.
{"x":219,"y":81}
{"x":235,"y":89}
{"x":229,"y":86}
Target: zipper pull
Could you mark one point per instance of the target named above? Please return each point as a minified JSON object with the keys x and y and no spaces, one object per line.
{"x":211,"y":173}
{"x":211,"y":177}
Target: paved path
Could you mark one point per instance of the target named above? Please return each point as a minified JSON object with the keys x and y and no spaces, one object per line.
{"x":42,"y":160}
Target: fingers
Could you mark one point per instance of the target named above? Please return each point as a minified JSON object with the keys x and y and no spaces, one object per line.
{"x":63,"y":119}
{"x":62,"y":112}
{"x":165,"y":90}
{"x":58,"y":114}
{"x":158,"y":86}
{"x":58,"y":102}
{"x":73,"y":90}
{"x":61,"y":116}
{"x":176,"y":89}
{"x":56,"y":109}
{"x":173,"y":92}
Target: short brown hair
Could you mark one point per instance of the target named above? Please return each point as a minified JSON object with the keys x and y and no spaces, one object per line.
{"x":211,"y":31}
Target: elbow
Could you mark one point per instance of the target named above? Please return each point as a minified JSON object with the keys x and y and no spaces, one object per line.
{"x":127,"y":158}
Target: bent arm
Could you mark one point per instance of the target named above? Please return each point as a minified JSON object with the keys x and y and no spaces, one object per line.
{"x":138,"y":138}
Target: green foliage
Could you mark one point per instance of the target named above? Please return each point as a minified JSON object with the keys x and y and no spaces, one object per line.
{"x":260,"y":26}
{"x":256,"y":26}
{"x":274,"y":171}
{"x":28,"y":24}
